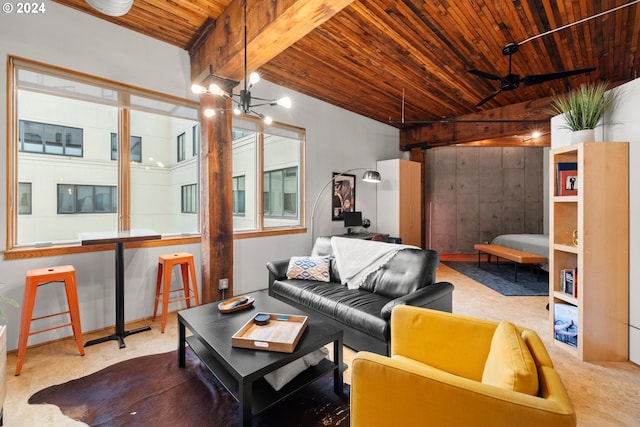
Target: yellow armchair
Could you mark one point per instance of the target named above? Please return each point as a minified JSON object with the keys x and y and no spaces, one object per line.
{"x":434,"y":377}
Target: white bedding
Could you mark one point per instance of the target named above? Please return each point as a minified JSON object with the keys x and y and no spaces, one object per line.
{"x":535,"y":243}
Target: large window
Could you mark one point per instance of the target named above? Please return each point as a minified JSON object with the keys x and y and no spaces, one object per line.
{"x":267,"y":170}
{"x":70,"y":132}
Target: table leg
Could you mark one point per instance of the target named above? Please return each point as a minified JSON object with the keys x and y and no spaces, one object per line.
{"x":338,"y":382}
{"x":181,"y":344}
{"x":245,"y":402}
{"x":120,"y":331}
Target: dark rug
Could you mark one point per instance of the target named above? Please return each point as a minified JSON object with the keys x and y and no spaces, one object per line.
{"x":500,"y":278}
{"x":154,"y":391}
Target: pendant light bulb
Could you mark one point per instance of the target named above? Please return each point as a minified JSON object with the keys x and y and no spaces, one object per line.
{"x":198,"y":89}
{"x":215,"y":89}
{"x":254,"y":78}
{"x":284,"y":102}
{"x":209,"y":112}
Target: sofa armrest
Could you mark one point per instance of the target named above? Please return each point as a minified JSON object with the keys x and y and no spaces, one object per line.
{"x":277,"y":270}
{"x":399,"y":391}
{"x":437,"y":296}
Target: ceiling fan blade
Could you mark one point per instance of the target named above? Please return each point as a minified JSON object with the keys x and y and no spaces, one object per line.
{"x":489,"y":97}
{"x":541,"y":78}
{"x":485,"y":74}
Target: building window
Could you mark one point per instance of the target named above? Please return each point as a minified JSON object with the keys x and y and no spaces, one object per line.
{"x":53,"y":111}
{"x":189,"y":198}
{"x":269,"y":158}
{"x":135,"y":144}
{"x":24,"y":198}
{"x":280,"y":193}
{"x":238,"y":195}
{"x":195,"y":140}
{"x":37,"y":137}
{"x":81,"y":199}
{"x":181,"y":150}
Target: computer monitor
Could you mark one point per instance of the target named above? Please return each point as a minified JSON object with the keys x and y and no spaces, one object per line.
{"x":352,"y":219}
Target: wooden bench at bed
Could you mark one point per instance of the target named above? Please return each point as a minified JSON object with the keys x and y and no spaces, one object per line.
{"x":514,"y":255}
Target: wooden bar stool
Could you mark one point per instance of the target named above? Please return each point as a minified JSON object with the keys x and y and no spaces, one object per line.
{"x":39,"y":277}
{"x":163,"y":282}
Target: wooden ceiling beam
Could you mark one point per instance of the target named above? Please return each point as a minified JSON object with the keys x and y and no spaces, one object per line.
{"x":505,"y":122}
{"x":271,"y":28}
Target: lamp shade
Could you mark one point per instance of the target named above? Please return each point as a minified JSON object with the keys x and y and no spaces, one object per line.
{"x":111,"y":7}
{"x":372,"y":176}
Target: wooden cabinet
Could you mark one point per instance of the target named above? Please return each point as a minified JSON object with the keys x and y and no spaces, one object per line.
{"x":589,"y":235}
{"x":399,"y":200}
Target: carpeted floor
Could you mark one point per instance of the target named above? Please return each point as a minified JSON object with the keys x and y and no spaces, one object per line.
{"x":500,"y":278}
{"x":154,"y":391}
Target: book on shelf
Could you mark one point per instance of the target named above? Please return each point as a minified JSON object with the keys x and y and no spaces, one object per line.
{"x":565,"y":320}
{"x":563,"y":178}
{"x":568,"y":281}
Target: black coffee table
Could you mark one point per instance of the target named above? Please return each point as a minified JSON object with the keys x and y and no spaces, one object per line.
{"x":242,"y":370}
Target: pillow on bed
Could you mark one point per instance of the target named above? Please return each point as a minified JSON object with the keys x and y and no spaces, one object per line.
{"x":309,"y":268}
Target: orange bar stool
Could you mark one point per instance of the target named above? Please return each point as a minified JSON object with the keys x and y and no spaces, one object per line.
{"x":44,"y":276}
{"x":163,"y":282}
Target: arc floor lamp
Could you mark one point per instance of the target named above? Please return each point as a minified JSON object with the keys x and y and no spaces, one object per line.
{"x":369,"y":175}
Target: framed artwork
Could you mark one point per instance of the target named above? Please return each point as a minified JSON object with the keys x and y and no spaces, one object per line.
{"x":344,"y":195}
{"x":568,"y":183}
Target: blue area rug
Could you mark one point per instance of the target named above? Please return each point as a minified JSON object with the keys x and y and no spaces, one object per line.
{"x":500,"y":278}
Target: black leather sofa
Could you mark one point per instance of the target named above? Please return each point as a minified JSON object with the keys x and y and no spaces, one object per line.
{"x":364,"y":314}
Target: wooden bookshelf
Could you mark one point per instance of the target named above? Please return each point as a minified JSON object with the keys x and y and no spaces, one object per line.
{"x":599,"y":214}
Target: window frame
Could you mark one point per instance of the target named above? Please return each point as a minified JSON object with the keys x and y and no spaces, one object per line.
{"x":15,"y":64}
{"x":260,"y":128}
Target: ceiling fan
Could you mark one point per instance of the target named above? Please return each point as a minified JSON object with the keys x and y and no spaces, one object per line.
{"x":512,"y":81}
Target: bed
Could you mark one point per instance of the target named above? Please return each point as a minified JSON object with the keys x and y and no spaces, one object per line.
{"x":534,"y":243}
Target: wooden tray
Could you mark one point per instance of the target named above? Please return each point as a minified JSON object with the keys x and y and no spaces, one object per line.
{"x":281,"y":334}
{"x":226,"y":306}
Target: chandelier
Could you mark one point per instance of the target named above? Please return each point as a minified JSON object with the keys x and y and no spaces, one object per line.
{"x":111,"y":7}
{"x":244,"y":102}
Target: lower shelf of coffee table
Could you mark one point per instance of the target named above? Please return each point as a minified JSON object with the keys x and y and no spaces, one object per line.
{"x":263,"y":395}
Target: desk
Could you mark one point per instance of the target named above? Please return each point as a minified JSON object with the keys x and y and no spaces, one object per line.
{"x":364,"y":236}
{"x":119,"y":238}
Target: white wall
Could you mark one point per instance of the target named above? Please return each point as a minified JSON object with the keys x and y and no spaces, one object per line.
{"x":622,"y":124}
{"x":336,"y":140}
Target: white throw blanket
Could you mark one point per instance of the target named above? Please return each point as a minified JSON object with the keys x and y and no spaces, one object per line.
{"x":356,"y":258}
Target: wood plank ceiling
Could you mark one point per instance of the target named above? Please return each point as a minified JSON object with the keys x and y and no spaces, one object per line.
{"x":374,"y":53}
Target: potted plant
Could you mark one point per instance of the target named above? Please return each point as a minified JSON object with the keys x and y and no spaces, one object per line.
{"x":583,"y":108}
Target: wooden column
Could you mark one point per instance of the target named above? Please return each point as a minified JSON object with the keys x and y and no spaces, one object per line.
{"x":216,"y":196}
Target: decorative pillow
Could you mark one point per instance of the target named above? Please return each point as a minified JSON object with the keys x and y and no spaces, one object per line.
{"x":510,"y":364}
{"x":280,"y":377}
{"x":309,"y":268}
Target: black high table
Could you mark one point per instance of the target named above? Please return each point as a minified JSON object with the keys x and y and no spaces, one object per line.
{"x":119,"y":238}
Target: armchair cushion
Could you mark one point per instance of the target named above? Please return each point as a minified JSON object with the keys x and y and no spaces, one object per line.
{"x":309,"y":268}
{"x":510,"y":364}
